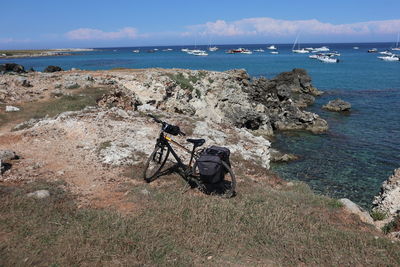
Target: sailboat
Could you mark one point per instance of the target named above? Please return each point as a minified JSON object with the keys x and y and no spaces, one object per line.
{"x":397,"y":48}
{"x":298,"y":50}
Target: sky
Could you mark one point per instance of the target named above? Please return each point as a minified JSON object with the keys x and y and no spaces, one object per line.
{"x":29,"y":24}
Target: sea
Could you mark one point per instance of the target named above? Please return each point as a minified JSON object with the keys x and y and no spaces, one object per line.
{"x":351,"y":160}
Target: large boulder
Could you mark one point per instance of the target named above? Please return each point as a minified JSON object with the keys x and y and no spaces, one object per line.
{"x":11,"y":67}
{"x":337,"y":105}
{"x":352,"y":207}
{"x":52,"y":69}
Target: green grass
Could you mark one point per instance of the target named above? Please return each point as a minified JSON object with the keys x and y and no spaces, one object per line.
{"x":35,"y":110}
{"x":260,"y":226}
{"x":378,"y":215}
{"x":187,"y":83}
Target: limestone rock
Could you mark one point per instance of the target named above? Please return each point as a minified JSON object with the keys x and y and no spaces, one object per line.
{"x":12,"y":109}
{"x":337,"y":105}
{"x":277,"y":156}
{"x":6,"y":155}
{"x":39,"y":194}
{"x":52,"y":69}
{"x":11,"y":67}
{"x":351,"y":207}
{"x":388,"y":200}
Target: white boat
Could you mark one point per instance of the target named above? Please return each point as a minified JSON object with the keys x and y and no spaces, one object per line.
{"x":136,"y":51}
{"x":327,"y":59}
{"x":309,"y":48}
{"x":298,"y":50}
{"x":200,"y":53}
{"x":274,"y":52}
{"x":259,"y":50}
{"x":185,"y":49}
{"x":167,"y":50}
{"x":386,"y":53}
{"x":321,"y":49}
{"x":245,"y":51}
{"x":272,"y":47}
{"x":213,"y":49}
{"x":397,"y":48}
{"x":356,"y":47}
{"x":390,"y":58}
{"x":314,"y":56}
{"x":373,"y":50}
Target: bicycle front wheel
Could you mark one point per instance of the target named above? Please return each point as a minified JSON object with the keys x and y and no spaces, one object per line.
{"x":155,"y":163}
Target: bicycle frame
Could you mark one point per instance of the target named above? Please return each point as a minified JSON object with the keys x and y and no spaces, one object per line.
{"x":164,"y":141}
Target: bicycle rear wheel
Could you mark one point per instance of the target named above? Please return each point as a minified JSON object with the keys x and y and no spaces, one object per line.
{"x":225,"y":188}
{"x":155,"y":163}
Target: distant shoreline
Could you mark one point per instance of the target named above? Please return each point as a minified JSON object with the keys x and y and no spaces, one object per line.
{"x":41,"y":52}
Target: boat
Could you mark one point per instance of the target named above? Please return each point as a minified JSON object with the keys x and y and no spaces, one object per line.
{"x":327,"y":59}
{"x":390,"y":58}
{"x":246,"y":51}
{"x":239,"y":51}
{"x":272,"y":47}
{"x":259,"y":50}
{"x":200,"y":53}
{"x":194,"y":51}
{"x":213,"y":48}
{"x":185,"y":49}
{"x":167,"y":50}
{"x":298,"y":50}
{"x":373,"y":50}
{"x":333,"y":54}
{"x":397,"y":48}
{"x":321,"y":49}
{"x":136,"y":51}
{"x":356,"y":47}
{"x":387,"y":53}
{"x":274,"y":52}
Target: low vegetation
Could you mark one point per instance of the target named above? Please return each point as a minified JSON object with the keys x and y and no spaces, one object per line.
{"x":75,"y":101}
{"x":261,"y":226}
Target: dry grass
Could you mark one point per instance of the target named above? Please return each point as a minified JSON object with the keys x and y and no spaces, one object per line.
{"x":260,"y":226}
{"x":76,"y":101}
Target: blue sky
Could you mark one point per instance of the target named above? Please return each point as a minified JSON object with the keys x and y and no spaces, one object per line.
{"x":88,"y":23}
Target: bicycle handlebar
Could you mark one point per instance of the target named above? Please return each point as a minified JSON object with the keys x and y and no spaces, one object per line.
{"x":163,"y":123}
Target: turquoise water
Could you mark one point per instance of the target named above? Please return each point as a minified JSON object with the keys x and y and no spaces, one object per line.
{"x":359,"y":151}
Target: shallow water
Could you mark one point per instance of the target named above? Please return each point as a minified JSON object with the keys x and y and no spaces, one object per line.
{"x":359,"y":151}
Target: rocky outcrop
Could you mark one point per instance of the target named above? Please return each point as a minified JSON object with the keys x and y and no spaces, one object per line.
{"x":11,"y":67}
{"x":230,"y":97}
{"x":388,"y":200}
{"x":52,"y":69}
{"x":337,"y":105}
{"x":351,"y":207}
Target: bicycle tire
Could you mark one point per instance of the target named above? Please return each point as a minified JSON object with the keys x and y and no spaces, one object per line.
{"x":149,"y":177}
{"x":228,"y":191}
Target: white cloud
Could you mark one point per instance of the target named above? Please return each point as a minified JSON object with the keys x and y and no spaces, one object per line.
{"x":13,"y":40}
{"x":276,"y":27}
{"x":96,"y":34}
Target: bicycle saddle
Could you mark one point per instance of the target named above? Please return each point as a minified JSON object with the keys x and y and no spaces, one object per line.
{"x":196,"y":142}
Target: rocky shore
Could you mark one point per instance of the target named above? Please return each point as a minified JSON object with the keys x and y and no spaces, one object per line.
{"x":41,"y":52}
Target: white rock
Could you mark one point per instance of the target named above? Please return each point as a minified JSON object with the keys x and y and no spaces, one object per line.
{"x":352,"y":207}
{"x":388,"y":201}
{"x":12,"y":109}
{"x":39,"y":194}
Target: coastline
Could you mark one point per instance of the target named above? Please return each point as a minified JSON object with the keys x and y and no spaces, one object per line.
{"x":7,"y":54}
{"x":83,"y":137}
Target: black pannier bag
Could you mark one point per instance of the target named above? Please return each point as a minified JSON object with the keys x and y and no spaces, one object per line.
{"x":172,"y":129}
{"x":210,"y":164}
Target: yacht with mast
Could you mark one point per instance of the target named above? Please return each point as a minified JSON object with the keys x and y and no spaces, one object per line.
{"x":397,"y":48}
{"x":298,"y":50}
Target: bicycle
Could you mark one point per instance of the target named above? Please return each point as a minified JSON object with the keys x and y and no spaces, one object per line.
{"x":158,"y":158}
